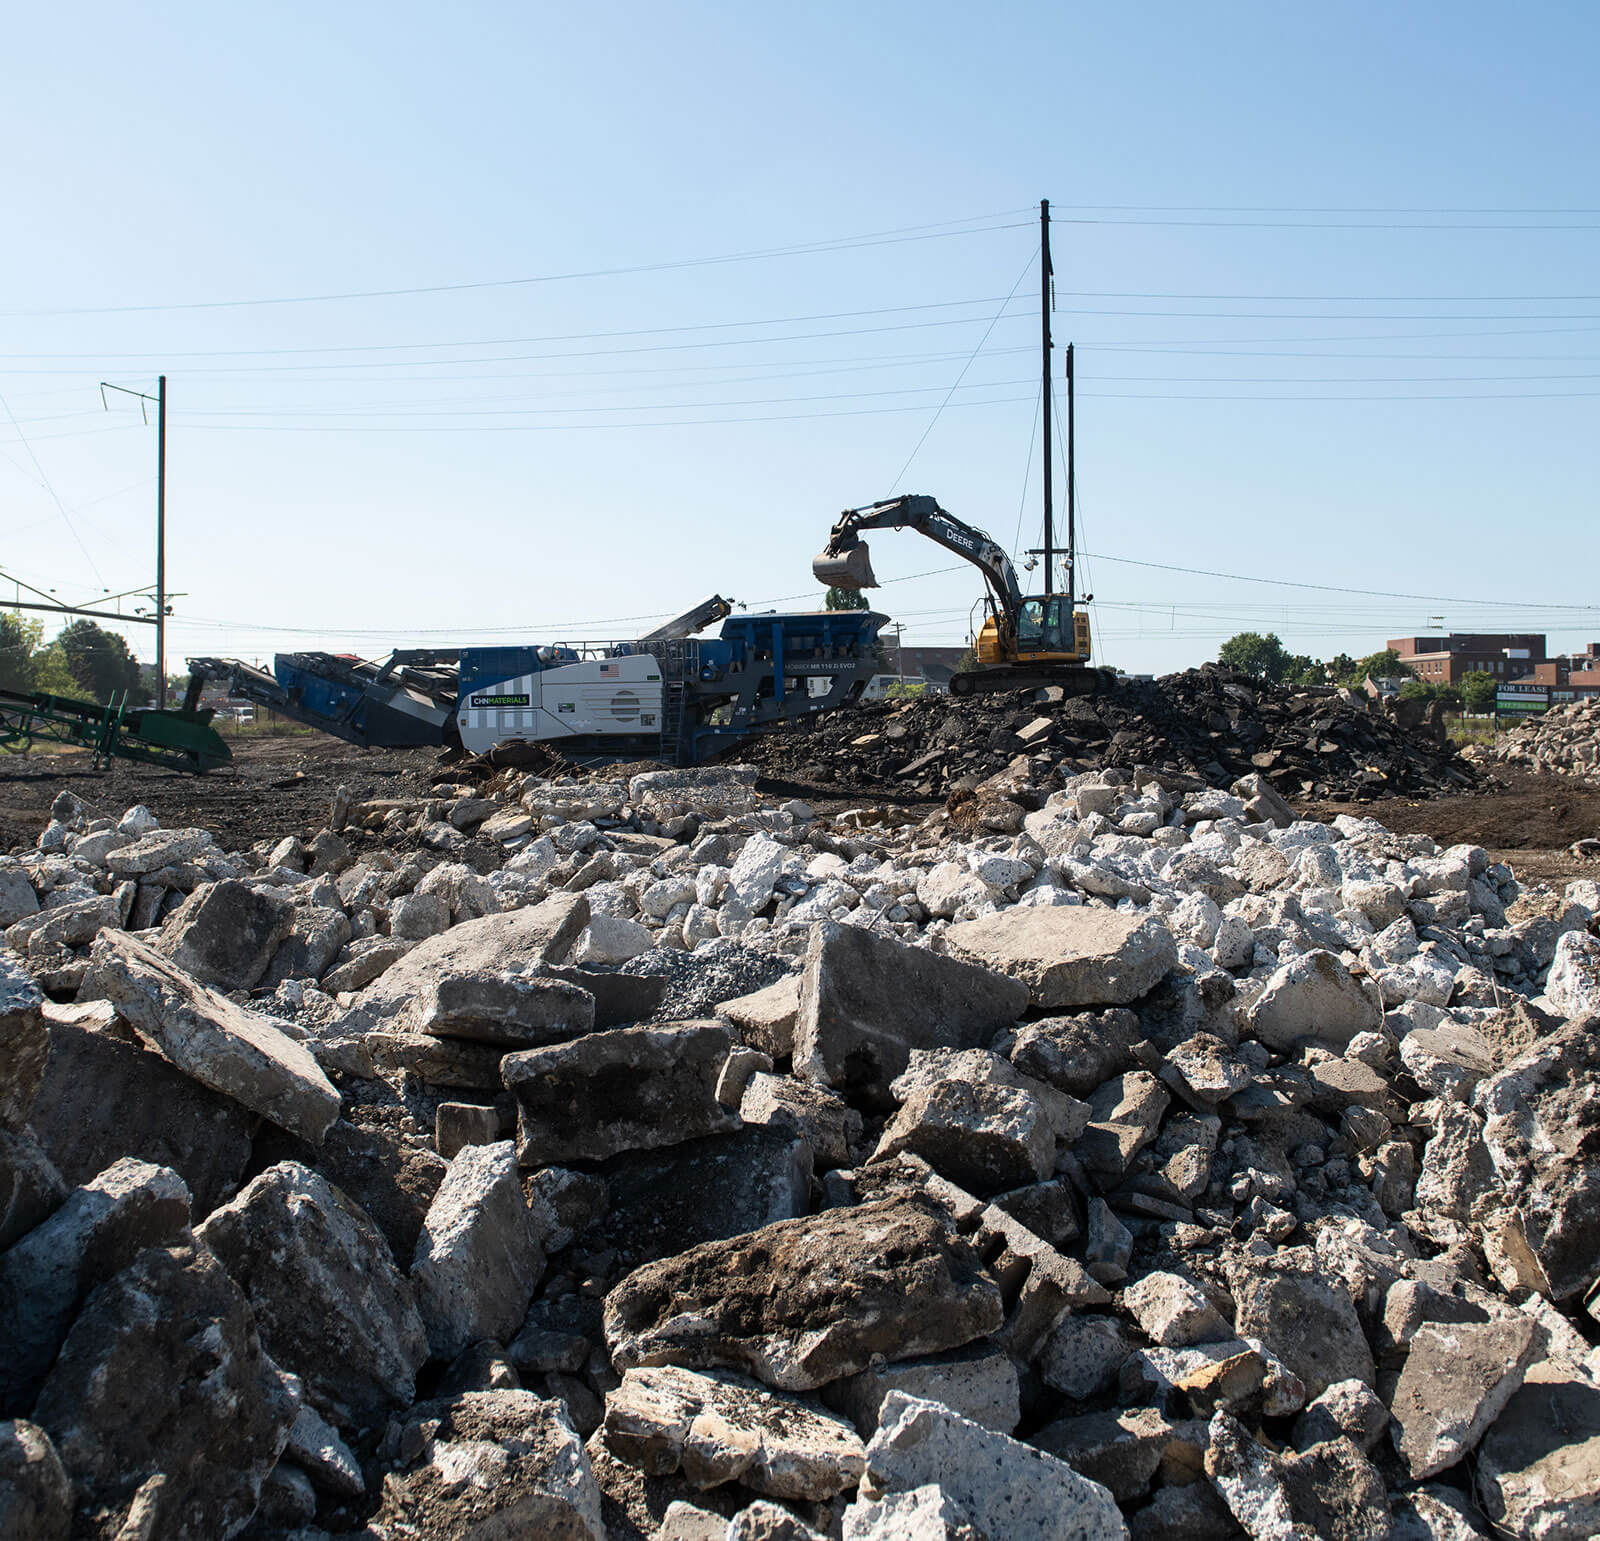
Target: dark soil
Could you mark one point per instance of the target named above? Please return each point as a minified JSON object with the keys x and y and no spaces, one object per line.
{"x":1206,"y":726}
{"x":1525,"y":819}
{"x":276,"y":786}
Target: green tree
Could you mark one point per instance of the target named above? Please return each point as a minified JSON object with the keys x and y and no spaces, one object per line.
{"x":1345,"y":670}
{"x":52,"y":672}
{"x":1478,"y":691}
{"x":18,"y":639}
{"x":100,"y":661}
{"x":1264,"y":657}
{"x":845,"y":599}
{"x":967,"y":662}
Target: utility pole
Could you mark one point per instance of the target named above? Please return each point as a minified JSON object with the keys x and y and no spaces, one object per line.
{"x":1045,"y":275}
{"x":1072,"y":495}
{"x":160,"y":399}
{"x":161,"y":542}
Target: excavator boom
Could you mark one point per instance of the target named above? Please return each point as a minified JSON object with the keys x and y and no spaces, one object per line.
{"x":845,"y":563}
{"x":1025,"y":641}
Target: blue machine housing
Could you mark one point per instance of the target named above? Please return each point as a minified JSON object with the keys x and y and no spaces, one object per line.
{"x":762,"y":670}
{"x":672,"y":696}
{"x":408,"y":699}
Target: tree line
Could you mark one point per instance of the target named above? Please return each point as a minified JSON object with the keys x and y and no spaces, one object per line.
{"x":1266,"y":658}
{"x":83,"y":660}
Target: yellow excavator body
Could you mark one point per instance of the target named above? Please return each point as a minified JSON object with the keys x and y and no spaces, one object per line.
{"x":1036,"y":645}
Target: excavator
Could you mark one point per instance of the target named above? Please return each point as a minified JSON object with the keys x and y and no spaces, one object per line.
{"x":1025,"y":641}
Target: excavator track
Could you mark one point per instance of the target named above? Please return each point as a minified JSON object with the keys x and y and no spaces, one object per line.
{"x":1074,"y":679}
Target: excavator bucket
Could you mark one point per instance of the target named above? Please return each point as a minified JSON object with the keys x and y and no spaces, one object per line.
{"x":849,"y":569}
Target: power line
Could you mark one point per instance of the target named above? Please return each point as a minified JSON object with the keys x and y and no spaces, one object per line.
{"x":1331,"y":588}
{"x":1273,"y":224}
{"x":1316,"y":208}
{"x":565,"y":427}
{"x":511,"y":358}
{"x":667,"y":406}
{"x":1408,"y":396}
{"x":1300,"y":315}
{"x":895,"y":237}
{"x":939,"y":410}
{"x":1333,"y":299}
{"x":503,"y":342}
{"x":1337,"y":379}
{"x":49,"y":487}
{"x":1179,"y":346}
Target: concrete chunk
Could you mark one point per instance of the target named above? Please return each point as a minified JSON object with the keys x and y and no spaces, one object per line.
{"x":162,"y":1390}
{"x":1541,"y":1124}
{"x":804,"y":1302}
{"x":632,"y":1088}
{"x":1306,"y":1320}
{"x":524,"y":940}
{"x":24,"y":1042}
{"x":514,"y":1011}
{"x":978,"y":1382}
{"x":1173,"y":1311}
{"x":765,"y":1019}
{"x":1070,"y":956}
{"x":225,"y":934}
{"x":31,"y":1188}
{"x":100,"y":1228}
{"x":998,"y":1485}
{"x":223,"y":1046}
{"x":329,"y":1302}
{"x":35,"y":1494}
{"x":492,"y":1464}
{"x":162,"y":1115}
{"x":984,"y":1137}
{"x":866,"y":1001}
{"x":1313,"y":997}
{"x":721,"y":1428}
{"x":161,"y":848}
{"x":1538,"y":1467}
{"x":478,"y":1259}
{"x":1458,"y":1377}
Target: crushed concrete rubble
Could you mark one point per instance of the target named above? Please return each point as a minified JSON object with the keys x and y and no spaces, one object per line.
{"x":1565,"y":739}
{"x":1108,"y":1154}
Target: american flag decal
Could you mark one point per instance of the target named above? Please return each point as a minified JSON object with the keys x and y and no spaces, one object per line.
{"x":609,"y":668}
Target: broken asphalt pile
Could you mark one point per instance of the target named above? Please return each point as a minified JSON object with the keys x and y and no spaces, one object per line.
{"x":1209,"y":725}
{"x":1566,"y":739}
{"x":1121,"y":1161}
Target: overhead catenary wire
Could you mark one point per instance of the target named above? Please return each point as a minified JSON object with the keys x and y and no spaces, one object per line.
{"x":49,"y":487}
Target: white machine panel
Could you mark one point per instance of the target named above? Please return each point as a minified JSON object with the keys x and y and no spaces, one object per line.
{"x":607,"y":698}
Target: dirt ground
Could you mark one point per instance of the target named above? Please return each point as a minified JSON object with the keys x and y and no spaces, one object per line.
{"x":280,"y":786}
{"x":1525,"y":820}
{"x":276,"y":786}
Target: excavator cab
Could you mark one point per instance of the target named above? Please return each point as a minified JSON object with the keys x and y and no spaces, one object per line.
{"x":1046,"y":625}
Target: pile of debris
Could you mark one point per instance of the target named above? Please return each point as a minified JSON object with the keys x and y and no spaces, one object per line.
{"x":1126,"y":1161}
{"x":1209,"y":724}
{"x":1566,"y":739}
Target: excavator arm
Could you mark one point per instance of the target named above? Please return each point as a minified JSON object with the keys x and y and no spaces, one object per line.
{"x":844,"y":562}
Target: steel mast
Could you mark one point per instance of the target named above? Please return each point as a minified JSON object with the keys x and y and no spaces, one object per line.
{"x":1045,"y":345}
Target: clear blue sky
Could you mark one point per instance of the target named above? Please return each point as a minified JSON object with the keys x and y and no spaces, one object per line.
{"x":1274,"y":382}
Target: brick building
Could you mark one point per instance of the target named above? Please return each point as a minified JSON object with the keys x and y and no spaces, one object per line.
{"x":1446,"y":660}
